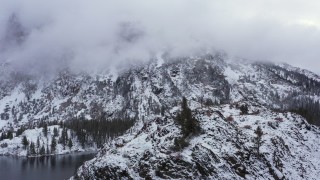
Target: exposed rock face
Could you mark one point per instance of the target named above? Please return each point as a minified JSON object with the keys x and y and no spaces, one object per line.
{"x":216,"y":90}
{"x":224,"y":150}
{"x":137,"y":92}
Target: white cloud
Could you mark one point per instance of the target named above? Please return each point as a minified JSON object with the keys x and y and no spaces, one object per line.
{"x":101,"y":32}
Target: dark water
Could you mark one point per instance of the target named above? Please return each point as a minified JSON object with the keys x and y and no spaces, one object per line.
{"x":44,"y":168}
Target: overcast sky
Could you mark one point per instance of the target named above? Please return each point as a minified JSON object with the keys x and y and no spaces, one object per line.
{"x":44,"y":34}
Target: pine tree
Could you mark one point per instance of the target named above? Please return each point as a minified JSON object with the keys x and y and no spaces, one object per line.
{"x":48,"y":150}
{"x":10,"y":135}
{"x":45,"y":130}
{"x":3,"y":136}
{"x":162,"y":111}
{"x":19,"y":131}
{"x":42,"y":150}
{"x":64,"y":137}
{"x":55,"y":132}
{"x":244,"y":109}
{"x":32,"y":148}
{"x":53,"y":145}
{"x":38,"y":145}
{"x":28,"y":152}
{"x":70,"y":144}
{"x":189,"y":125}
{"x":25,"y":142}
{"x":258,"y":139}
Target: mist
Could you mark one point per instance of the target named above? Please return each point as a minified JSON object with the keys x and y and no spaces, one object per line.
{"x":43,"y":36}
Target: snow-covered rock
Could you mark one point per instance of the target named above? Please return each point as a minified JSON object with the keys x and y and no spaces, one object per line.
{"x":224,"y":149}
{"x":216,"y":88}
{"x":14,"y":146}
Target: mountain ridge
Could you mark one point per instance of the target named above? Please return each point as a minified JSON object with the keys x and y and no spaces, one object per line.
{"x":216,"y":89}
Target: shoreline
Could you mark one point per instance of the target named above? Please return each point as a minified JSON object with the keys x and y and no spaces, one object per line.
{"x":51,"y":155}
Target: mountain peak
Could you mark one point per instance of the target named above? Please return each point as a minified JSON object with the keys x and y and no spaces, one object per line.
{"x":229,"y":99}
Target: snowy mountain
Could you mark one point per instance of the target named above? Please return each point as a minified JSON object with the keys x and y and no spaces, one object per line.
{"x":229,"y":98}
{"x":224,"y":150}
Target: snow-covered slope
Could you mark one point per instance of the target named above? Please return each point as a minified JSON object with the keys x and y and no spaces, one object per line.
{"x":224,"y":150}
{"x":141,"y":91}
{"x":15,"y":147}
{"x":215,"y":87}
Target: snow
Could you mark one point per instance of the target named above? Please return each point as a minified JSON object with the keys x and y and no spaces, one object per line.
{"x":15,"y":147}
{"x":160,"y":61}
{"x":113,"y":74}
{"x":142,"y":91}
{"x":217,"y":137}
{"x":13,"y":99}
{"x":231,"y":75}
{"x":299,"y":70}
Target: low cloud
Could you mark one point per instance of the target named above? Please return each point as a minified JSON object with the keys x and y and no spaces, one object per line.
{"x":37,"y":35}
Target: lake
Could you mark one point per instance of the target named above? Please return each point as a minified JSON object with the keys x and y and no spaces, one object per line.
{"x":43,"y":168}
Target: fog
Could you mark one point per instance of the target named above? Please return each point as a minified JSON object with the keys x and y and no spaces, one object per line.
{"x":42,"y":36}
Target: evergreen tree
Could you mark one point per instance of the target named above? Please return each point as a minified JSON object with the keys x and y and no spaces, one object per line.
{"x":53,"y":145}
{"x":38,"y":145}
{"x":48,"y":150}
{"x":45,"y":130}
{"x":189,"y":125}
{"x":25,"y":142}
{"x":42,"y":150}
{"x":244,"y":109}
{"x":55,"y":132}
{"x":93,"y":131}
{"x":9,"y":135}
{"x":70,"y":144}
{"x":308,"y":108}
{"x":28,"y":152}
{"x":162,"y":110}
{"x":19,"y":131}
{"x":258,"y":139}
{"x":64,"y":137}
{"x":3,"y":136}
{"x":32,"y":148}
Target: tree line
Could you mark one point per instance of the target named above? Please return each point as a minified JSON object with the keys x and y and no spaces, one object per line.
{"x":98,"y":131}
{"x":307,"y":108}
